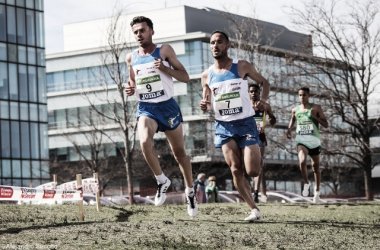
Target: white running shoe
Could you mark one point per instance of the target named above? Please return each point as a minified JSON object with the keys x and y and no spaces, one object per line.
{"x":192,"y":205}
{"x":161,"y":193}
{"x":305,"y":191}
{"x":255,"y":215}
{"x":316,"y":197}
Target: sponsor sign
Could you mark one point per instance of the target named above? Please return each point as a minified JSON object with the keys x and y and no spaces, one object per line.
{"x":28,"y":193}
{"x":48,"y":194}
{"x":34,"y":194}
{"x":6,"y":192}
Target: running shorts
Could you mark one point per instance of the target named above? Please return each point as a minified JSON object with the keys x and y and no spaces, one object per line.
{"x":312,"y":151}
{"x":167,"y":114}
{"x":243,"y":131}
{"x":263,"y":139}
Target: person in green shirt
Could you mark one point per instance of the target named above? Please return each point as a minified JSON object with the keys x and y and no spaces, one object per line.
{"x":308,"y":117}
{"x":212,"y":190}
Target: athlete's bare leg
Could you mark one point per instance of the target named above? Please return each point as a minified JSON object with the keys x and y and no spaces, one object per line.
{"x":302,"y":157}
{"x":175,"y":138}
{"x":233,"y":156}
{"x":315,"y":160}
{"x":147,"y":127}
{"x":257,"y":180}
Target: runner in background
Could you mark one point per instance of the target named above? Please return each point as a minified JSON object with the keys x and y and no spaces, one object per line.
{"x":308,"y":117}
{"x":260,"y":118}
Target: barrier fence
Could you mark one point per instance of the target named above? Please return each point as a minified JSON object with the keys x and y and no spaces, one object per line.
{"x":69,"y":191}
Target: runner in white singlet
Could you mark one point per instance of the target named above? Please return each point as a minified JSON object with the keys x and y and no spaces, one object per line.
{"x":151,"y":69}
{"x":235,"y":128}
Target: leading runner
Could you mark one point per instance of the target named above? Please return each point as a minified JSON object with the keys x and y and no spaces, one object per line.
{"x":151,"y":68}
{"x":235,"y":131}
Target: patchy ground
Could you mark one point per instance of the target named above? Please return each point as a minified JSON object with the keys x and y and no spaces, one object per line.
{"x":218,"y":226}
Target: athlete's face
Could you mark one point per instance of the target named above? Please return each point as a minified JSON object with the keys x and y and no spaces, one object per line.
{"x":254,"y":94}
{"x":219,"y":45}
{"x":304,"y":96}
{"x":143,"y":34}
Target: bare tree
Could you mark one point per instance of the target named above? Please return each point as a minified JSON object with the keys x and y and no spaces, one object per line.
{"x":346,"y":37}
{"x":90,"y":148}
{"x":118,"y":110}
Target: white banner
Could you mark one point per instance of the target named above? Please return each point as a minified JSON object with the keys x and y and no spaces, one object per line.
{"x":34,"y":194}
{"x":49,"y":185}
{"x":90,"y":185}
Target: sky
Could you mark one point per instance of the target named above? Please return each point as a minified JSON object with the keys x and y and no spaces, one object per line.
{"x":58,"y":13}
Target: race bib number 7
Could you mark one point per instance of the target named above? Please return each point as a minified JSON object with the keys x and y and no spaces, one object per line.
{"x":149,"y":87}
{"x":229,"y":103}
{"x":305,"y":129}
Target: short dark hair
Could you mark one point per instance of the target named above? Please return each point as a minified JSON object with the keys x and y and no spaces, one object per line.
{"x":221,"y":32}
{"x":254,"y":85}
{"x":142,"y":19}
{"x":304,"y":88}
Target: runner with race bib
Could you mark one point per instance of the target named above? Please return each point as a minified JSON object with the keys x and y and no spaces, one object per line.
{"x":260,"y":118}
{"x":308,"y":117}
{"x":151,"y":71}
{"x":235,"y":128}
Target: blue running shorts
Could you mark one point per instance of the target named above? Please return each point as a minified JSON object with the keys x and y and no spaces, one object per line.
{"x":167,"y":114}
{"x":243,"y":131}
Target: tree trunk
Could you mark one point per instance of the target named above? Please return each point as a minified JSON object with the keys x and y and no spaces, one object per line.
{"x":128,"y":168}
{"x":368,"y":183}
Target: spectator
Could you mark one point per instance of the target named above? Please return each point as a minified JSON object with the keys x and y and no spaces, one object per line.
{"x":212,"y":190}
{"x":199,"y":188}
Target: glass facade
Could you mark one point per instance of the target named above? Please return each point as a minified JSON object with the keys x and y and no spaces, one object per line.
{"x":23,"y":103}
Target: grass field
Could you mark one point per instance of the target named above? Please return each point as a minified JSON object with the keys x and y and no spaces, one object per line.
{"x":217,"y":226}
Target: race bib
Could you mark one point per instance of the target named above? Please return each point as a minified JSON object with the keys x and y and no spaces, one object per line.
{"x":149,"y":87}
{"x":259,"y":125}
{"x":229,"y":103}
{"x":305,"y":129}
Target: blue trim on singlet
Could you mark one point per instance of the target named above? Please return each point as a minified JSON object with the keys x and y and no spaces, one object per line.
{"x":232,"y":73}
{"x":137,"y":59}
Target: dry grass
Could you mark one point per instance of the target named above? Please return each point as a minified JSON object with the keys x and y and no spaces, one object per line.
{"x":218,"y":226}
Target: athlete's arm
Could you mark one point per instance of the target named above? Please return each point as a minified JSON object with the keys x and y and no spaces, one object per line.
{"x":248,"y":70}
{"x":272,"y":118}
{"x":317,"y":114}
{"x":205,"y":103}
{"x":130,"y":88}
{"x":178,"y":72}
{"x":292,"y":121}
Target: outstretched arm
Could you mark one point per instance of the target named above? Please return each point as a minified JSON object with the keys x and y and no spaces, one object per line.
{"x":205,"y":103}
{"x":178,"y":72}
{"x":292,"y":121}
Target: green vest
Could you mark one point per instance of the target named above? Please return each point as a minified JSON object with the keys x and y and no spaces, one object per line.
{"x":307,"y":129}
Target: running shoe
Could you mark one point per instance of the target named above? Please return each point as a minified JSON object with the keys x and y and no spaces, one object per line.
{"x":256,"y":196}
{"x":192,"y":204}
{"x":255,"y":215}
{"x":305,"y":191}
{"x":316,"y":198}
{"x":161,"y":192}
